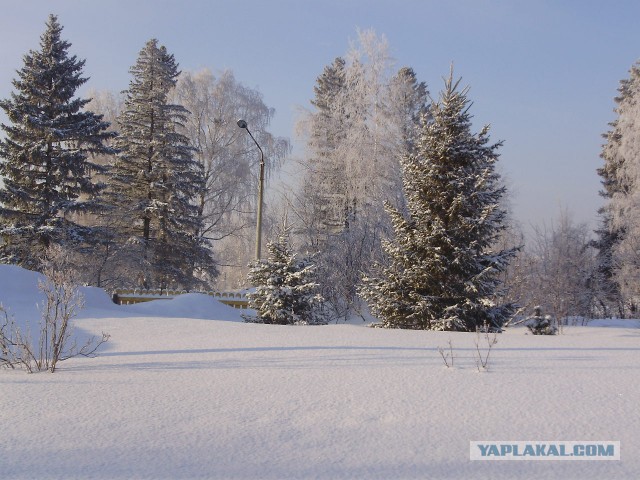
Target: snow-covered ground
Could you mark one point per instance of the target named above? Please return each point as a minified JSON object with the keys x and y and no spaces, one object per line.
{"x":185,"y":389}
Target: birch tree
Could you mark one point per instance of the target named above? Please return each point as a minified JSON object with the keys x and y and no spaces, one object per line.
{"x":228,"y":159}
{"x":561,"y":270}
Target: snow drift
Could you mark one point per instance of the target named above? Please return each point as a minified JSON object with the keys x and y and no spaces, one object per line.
{"x":178,"y":393}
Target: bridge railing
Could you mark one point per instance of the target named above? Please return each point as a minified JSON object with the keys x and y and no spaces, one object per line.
{"x":124,"y":296}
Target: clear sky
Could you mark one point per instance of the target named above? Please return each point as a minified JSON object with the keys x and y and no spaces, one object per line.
{"x":543,"y":73}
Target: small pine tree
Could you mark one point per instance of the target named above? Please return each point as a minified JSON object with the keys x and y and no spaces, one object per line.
{"x":46,"y":158}
{"x":442,"y":271}
{"x":540,"y":324}
{"x":156,"y":179}
{"x":605,"y":289}
{"x":285,"y":291}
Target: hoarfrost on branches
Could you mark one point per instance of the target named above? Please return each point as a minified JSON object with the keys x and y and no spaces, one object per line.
{"x":285,"y":289}
{"x":46,"y":159}
{"x":441,"y":270}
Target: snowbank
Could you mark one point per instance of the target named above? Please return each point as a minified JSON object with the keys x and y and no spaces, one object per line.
{"x":190,"y":305}
{"x":20,"y":295}
{"x":190,"y":397}
{"x":615,"y":322}
{"x":19,"y":292}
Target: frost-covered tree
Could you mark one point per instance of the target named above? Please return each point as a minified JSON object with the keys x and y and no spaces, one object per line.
{"x":409,"y":102}
{"x":325,"y":185}
{"x":46,"y":157}
{"x":561,"y":269}
{"x":441,"y":271}
{"x":363,"y":121}
{"x":285,"y":287}
{"x":156,"y":180}
{"x":373,"y":142}
{"x":618,"y":242}
{"x":228,"y":159}
{"x":107,"y":104}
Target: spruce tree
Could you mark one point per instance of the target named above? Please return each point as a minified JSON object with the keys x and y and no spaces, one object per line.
{"x":603,"y":285}
{"x":328,"y":127}
{"x":155,"y":180}
{"x":285,"y":290}
{"x":442,"y":271}
{"x":46,"y":157}
{"x":410,"y":102}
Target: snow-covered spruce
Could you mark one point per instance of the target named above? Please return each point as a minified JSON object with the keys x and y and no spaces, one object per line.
{"x":155,"y":180}
{"x":285,"y":290}
{"x":540,"y":324}
{"x":442,"y":270}
{"x":46,"y":155}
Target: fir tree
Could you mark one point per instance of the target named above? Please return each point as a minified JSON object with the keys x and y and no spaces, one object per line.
{"x":46,"y":158}
{"x":442,"y":273}
{"x":285,"y":291}
{"x":410,"y":102}
{"x":155,"y":180}
{"x":540,"y":324}
{"x":327,"y":132}
{"x":603,"y":285}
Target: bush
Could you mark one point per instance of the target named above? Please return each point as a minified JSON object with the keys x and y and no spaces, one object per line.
{"x":54,"y":340}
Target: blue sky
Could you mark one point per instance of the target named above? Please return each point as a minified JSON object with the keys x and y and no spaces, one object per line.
{"x":542,"y":73}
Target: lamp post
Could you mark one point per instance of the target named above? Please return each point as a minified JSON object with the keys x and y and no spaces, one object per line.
{"x":243,"y":124}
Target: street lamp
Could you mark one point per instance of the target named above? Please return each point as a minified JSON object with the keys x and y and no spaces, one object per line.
{"x":243,"y":124}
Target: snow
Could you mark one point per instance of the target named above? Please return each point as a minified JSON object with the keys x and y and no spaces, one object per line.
{"x":186,"y":390}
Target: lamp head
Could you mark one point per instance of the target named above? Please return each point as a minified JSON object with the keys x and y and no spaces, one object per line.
{"x":242,"y":123}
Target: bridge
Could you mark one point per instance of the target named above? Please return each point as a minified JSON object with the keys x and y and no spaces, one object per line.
{"x":124,"y":296}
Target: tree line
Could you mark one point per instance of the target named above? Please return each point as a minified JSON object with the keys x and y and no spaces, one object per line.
{"x":138,"y":186}
{"x":399,"y":208}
